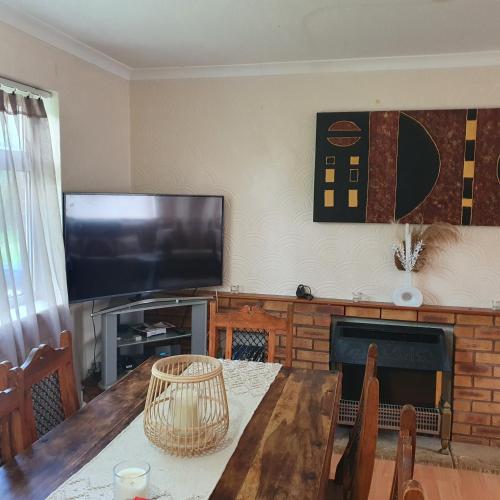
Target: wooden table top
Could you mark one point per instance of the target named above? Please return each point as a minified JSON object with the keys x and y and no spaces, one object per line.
{"x":284,"y":451}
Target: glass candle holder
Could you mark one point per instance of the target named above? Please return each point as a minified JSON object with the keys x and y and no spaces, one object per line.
{"x":130,"y":480}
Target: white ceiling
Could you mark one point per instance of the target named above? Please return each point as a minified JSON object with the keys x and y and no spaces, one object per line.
{"x":140,"y":34}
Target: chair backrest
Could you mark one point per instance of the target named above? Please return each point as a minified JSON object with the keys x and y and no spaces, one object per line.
{"x":371,"y":364}
{"x":5,"y":366}
{"x":404,"y":487}
{"x":370,"y":372}
{"x":355,"y":468}
{"x":11,"y":411}
{"x":329,"y":447}
{"x":250,"y":319}
{"x":50,"y":394}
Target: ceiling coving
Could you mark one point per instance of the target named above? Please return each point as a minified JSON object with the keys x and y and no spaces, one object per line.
{"x":151,"y":34}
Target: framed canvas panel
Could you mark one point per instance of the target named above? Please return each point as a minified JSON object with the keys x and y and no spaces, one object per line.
{"x":410,"y":166}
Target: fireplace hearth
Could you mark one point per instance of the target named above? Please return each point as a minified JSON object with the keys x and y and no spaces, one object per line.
{"x":414,"y":366}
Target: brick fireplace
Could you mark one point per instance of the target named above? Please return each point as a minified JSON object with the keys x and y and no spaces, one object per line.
{"x":476,"y":366}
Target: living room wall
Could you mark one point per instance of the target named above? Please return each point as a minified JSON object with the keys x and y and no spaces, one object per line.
{"x":94,"y":116}
{"x":252,"y":139}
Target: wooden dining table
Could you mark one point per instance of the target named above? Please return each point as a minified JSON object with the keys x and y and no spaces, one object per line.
{"x":284,"y":452}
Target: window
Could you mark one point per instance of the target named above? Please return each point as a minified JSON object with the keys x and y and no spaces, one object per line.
{"x":20,"y":237}
{"x":11,"y":257}
{"x":11,"y":254}
{"x":33,"y":294}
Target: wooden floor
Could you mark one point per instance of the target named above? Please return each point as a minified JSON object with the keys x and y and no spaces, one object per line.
{"x":439,"y":483}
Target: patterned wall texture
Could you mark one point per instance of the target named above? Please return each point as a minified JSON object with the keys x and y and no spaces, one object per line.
{"x":253,"y":140}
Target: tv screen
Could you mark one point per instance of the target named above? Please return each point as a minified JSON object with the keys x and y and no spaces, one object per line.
{"x":127,"y":244}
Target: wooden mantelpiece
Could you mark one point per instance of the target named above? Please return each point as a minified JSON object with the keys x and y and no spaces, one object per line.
{"x":476,"y":381}
{"x":368,"y":304}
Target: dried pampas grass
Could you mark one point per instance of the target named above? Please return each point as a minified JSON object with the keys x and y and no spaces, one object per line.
{"x":435,"y":238}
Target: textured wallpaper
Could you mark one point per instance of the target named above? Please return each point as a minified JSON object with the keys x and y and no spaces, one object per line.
{"x":252,"y":140}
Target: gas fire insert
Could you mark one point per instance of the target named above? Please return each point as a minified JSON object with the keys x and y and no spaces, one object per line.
{"x":414,"y":366}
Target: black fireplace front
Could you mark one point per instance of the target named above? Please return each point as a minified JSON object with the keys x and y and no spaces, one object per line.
{"x":397,"y":386}
{"x":400,"y":345}
{"x":414,"y":366}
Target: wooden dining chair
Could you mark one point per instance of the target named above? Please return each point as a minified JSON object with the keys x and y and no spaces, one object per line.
{"x":331,"y":438}
{"x":5,"y":366}
{"x":371,"y":364}
{"x":370,"y":372}
{"x":50,"y":394}
{"x":354,"y":472}
{"x":404,"y":487}
{"x":250,"y":333}
{"x":11,"y":411}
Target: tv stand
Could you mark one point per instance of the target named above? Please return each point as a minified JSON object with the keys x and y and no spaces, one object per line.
{"x":109,"y":344}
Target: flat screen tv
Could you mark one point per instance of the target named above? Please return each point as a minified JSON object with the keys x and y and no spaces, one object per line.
{"x":131,"y":244}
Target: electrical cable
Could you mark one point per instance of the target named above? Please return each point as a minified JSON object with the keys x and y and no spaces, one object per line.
{"x":95,"y":338}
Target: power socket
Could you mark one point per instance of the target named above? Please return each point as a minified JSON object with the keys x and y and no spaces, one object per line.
{"x":495,"y":305}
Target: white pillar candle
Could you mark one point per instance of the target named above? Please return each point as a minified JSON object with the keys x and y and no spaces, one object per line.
{"x":185,"y":409}
{"x":130,"y":483}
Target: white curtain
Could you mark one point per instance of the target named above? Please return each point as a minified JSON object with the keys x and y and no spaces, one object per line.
{"x":33,"y":294}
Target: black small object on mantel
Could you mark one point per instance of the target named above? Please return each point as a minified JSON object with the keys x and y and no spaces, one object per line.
{"x":304,"y":292}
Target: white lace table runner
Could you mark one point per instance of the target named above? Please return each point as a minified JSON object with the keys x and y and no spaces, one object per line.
{"x":176,"y":478}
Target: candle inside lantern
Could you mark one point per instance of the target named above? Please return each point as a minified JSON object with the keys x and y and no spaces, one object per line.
{"x":131,"y":481}
{"x":185,"y":409}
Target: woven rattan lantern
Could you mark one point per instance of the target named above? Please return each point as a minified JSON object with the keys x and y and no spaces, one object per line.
{"x":186,"y":409}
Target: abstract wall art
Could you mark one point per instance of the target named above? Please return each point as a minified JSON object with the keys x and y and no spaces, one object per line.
{"x":412,"y":166}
